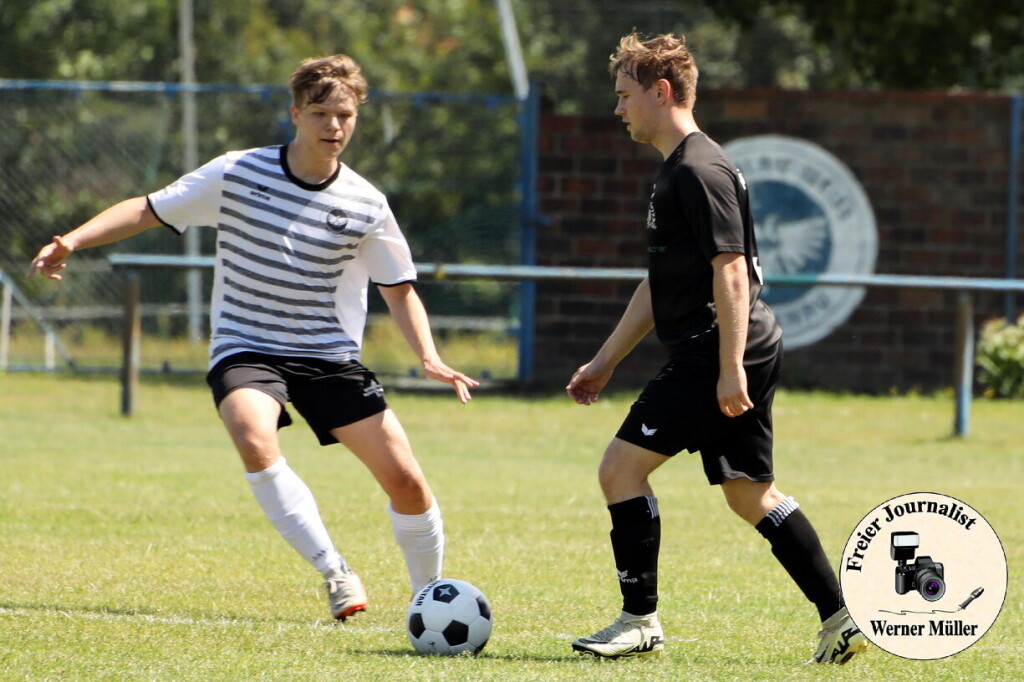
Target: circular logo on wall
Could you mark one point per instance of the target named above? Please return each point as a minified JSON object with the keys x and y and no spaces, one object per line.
{"x":811,"y":217}
{"x":923,"y":576}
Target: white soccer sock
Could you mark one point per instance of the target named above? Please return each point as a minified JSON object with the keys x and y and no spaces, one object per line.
{"x":421,"y":537}
{"x":289,"y":505}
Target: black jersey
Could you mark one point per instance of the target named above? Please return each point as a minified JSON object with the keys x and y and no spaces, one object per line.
{"x":698,"y":210}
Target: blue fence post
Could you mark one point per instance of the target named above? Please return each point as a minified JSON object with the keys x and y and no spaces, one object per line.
{"x":964,"y":363}
{"x":1012,"y":202}
{"x":131,"y":341}
{"x":529,"y":124}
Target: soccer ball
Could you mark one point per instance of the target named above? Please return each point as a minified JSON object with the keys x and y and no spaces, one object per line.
{"x":449,"y":617}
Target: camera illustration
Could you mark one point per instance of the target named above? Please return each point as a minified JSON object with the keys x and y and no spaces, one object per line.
{"x":923,"y":575}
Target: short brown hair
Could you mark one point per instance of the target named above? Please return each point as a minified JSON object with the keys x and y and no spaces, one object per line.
{"x":317,"y":78}
{"x":648,"y":61}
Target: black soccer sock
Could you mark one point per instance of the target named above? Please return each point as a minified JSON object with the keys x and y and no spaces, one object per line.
{"x":797,"y":547}
{"x":636,"y":539}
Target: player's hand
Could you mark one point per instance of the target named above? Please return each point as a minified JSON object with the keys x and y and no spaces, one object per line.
{"x":50,"y":259}
{"x":732,"y":392}
{"x":587,"y":382}
{"x":438,"y":371}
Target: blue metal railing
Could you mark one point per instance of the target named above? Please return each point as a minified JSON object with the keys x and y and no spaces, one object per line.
{"x":964,"y":286}
{"x":169,"y":88}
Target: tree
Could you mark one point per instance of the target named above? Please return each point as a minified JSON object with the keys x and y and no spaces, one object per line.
{"x":56,"y":39}
{"x":905,"y":44}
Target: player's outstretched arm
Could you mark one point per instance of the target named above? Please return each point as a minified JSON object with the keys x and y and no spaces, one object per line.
{"x":118,"y":222}
{"x":638,"y":320}
{"x":408,"y":312}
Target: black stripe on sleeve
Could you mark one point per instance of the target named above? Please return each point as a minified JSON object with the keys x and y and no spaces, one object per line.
{"x":395,"y":284}
{"x":162,"y":221}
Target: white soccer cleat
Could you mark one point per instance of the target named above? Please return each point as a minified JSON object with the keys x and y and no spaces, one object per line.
{"x":840,"y":640}
{"x":628,"y":636}
{"x":345,"y":593}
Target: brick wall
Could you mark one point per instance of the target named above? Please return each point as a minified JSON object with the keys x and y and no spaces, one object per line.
{"x":934,"y":166}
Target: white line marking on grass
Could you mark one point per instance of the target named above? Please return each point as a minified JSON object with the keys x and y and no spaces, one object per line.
{"x":183,"y":620}
{"x":667,"y":639}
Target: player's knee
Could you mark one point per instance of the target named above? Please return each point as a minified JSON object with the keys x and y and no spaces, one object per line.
{"x":750,"y":500}
{"x":618,"y":479}
{"x":258,"y":458}
{"x":608,"y":474}
{"x":255,"y":448}
{"x":407,"y":488}
{"x":742,"y":507}
{"x":606,"y":482}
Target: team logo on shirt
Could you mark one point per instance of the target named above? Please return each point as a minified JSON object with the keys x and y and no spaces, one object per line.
{"x":336,"y":220}
{"x":811,"y":217}
{"x":652,"y":219}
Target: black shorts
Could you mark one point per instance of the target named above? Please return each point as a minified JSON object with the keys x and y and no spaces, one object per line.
{"x":678,"y":410}
{"x":327,"y":394}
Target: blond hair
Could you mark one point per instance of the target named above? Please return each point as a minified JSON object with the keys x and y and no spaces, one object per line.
{"x":648,"y":61}
{"x":317,"y":78}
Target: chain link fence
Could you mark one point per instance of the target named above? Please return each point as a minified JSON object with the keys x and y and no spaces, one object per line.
{"x":450,"y":165}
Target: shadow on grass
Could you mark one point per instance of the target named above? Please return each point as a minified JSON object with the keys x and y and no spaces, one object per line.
{"x":482,"y":656}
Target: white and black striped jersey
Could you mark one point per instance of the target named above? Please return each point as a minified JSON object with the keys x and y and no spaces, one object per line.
{"x":294,"y":260}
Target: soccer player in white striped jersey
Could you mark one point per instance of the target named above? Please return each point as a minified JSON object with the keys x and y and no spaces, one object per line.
{"x":299,"y":238}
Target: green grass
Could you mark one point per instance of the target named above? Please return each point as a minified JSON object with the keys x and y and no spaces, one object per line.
{"x":479,"y":354}
{"x":130,"y":549}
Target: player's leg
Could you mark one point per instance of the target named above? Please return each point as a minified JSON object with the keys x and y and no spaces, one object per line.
{"x":251,"y":418}
{"x":380,"y":442}
{"x":740,"y":459}
{"x":636,"y":540}
{"x":793,"y":540}
{"x":636,"y":523}
{"x":796,"y":545}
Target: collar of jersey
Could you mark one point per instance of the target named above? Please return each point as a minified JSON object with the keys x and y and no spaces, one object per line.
{"x":306,"y":185}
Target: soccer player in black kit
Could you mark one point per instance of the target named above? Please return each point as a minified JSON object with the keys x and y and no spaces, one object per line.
{"x":724,"y":346}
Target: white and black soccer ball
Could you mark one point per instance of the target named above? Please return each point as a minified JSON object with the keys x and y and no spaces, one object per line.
{"x":449,"y":617}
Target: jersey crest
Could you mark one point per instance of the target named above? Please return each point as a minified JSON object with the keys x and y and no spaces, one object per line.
{"x":652,"y":219}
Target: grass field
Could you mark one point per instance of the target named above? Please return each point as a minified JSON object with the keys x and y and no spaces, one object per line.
{"x":130,"y":549}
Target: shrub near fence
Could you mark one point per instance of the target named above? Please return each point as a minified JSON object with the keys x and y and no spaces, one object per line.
{"x":1001,"y":358}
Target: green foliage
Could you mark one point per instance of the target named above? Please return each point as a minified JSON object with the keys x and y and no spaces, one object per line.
{"x":906,"y":44}
{"x":567,"y":47}
{"x":455,"y":45}
{"x":1000,"y":356}
{"x":430,"y":45}
{"x":111,"y":39}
